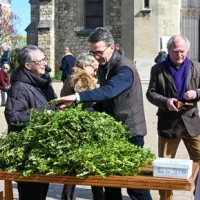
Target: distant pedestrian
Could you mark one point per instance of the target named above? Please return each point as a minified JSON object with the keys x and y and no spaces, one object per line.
{"x":46,"y":74}
{"x":47,"y":69}
{"x":68,"y":61}
{"x":162,"y":55}
{"x":4,"y":84}
{"x":5,"y":58}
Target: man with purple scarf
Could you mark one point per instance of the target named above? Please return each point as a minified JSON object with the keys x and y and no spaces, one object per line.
{"x":176,"y":79}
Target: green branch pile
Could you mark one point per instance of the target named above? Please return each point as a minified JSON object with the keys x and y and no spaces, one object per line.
{"x":72,"y":142}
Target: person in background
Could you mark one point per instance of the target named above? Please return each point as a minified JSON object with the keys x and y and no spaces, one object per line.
{"x":5,"y":58}
{"x":29,"y":90}
{"x":176,"y":79}
{"x":81,"y":79}
{"x":47,"y":69}
{"x":162,"y":55}
{"x":119,"y":95}
{"x":47,"y":73}
{"x":68,"y":61}
{"x":4,"y":83}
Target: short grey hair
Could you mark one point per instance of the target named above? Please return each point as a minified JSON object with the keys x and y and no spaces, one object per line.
{"x":171,"y":41}
{"x":66,"y":49}
{"x":84,"y":58}
{"x":25,"y":54}
{"x":5,"y":65}
{"x":101,"y":34}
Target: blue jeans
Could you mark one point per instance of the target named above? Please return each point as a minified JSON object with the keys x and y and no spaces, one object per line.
{"x":134,"y":194}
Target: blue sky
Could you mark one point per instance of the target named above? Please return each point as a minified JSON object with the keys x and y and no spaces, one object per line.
{"x":22,"y":9}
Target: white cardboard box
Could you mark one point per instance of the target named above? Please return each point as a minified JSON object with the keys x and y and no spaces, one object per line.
{"x":172,"y":168}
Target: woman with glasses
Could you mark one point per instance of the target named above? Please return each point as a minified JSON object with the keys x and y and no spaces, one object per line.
{"x":82,"y":78}
{"x":4,"y":83}
{"x":30,"y":90}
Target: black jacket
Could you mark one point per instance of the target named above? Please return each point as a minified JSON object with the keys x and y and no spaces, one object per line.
{"x":68,"y":62}
{"x":162,"y":55}
{"x":5,"y":59}
{"x":27,"y":92}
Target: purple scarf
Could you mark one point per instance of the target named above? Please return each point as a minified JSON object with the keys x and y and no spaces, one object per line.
{"x":179,"y":75}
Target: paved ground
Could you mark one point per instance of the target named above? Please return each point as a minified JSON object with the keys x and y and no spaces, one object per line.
{"x":84,"y":192}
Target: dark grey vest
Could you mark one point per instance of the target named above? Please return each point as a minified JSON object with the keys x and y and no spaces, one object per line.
{"x":127,"y":107}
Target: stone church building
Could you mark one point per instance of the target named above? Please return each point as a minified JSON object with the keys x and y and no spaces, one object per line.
{"x":141,"y":27}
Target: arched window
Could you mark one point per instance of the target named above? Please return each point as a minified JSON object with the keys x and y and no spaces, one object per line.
{"x":93,"y":14}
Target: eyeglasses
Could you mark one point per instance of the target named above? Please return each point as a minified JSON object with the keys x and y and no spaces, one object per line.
{"x":98,"y":53}
{"x":40,"y":62}
{"x":94,"y":68}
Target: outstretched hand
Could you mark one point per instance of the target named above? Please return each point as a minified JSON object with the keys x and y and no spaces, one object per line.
{"x":66,"y":101}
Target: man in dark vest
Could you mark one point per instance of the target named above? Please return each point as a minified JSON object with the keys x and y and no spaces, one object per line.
{"x":119,"y":95}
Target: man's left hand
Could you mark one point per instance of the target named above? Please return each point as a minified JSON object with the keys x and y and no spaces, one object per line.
{"x":189,"y":95}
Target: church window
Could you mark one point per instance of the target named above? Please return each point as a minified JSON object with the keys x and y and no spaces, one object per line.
{"x":94,"y":14}
{"x":146,"y":4}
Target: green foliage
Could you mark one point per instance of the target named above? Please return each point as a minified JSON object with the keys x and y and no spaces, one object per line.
{"x":72,"y":142}
{"x":57,"y":77}
{"x":13,"y":62}
{"x":18,"y":42}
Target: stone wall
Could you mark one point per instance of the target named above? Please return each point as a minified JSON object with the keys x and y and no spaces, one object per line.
{"x":162,"y":19}
{"x":65,"y":35}
{"x":115,"y":20}
{"x":56,"y":24}
{"x":32,"y":33}
{"x":69,"y":20}
{"x":46,"y":31}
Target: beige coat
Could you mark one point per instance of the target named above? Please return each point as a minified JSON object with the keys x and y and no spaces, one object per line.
{"x":78,"y":82}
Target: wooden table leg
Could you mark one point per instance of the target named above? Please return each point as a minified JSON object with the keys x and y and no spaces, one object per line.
{"x":1,"y":195}
{"x":167,"y":195}
{"x":8,"y":190}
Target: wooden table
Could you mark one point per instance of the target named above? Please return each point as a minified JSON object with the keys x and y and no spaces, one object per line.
{"x":140,"y":181}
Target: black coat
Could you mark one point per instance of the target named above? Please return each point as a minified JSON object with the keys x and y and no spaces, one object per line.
{"x":27,"y":92}
{"x":5,"y":59}
{"x":68,"y":62}
{"x":161,"y":57}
